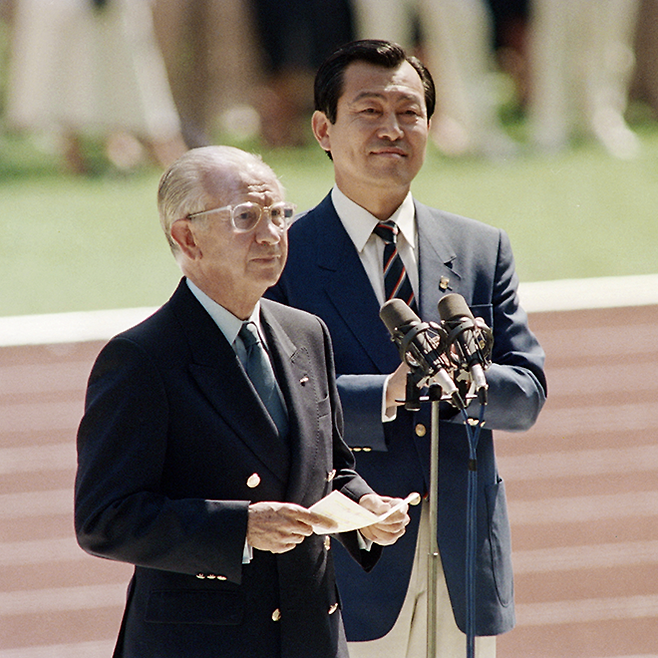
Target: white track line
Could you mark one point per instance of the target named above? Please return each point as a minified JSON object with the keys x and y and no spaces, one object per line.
{"x":537,"y":297}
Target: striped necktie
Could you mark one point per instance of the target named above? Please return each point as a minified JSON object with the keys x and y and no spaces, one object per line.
{"x":396,"y":280}
{"x":260,"y":372}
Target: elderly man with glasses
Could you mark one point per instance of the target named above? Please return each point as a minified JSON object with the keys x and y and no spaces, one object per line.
{"x":211,"y":428}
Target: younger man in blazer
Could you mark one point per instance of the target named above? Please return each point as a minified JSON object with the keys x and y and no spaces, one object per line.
{"x":373,"y":107}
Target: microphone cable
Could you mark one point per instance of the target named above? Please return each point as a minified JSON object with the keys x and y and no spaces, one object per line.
{"x":473,"y":436}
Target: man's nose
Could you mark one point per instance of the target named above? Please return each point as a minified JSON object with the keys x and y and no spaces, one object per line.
{"x":266,"y":231}
{"x":390,"y":126}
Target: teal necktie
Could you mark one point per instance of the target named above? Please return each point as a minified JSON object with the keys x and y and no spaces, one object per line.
{"x":260,"y":372}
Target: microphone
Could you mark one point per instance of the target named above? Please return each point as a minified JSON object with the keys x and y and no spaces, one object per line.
{"x":422,"y":347}
{"x":471,"y":337}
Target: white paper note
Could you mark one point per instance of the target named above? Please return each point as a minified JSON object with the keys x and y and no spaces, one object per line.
{"x":349,"y":515}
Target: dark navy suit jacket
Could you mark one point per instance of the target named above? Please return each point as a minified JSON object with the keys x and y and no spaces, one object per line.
{"x":325,"y":276}
{"x":173,"y":447}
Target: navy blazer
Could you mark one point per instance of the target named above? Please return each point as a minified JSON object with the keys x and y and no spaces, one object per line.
{"x":173,"y":447}
{"x":325,"y":276}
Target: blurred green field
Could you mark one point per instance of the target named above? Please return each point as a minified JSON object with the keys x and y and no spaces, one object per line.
{"x":84,"y":243}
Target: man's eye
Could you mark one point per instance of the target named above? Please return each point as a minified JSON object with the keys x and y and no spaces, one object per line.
{"x":246,"y":217}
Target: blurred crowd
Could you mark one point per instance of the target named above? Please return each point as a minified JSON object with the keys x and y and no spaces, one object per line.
{"x":152,"y":78}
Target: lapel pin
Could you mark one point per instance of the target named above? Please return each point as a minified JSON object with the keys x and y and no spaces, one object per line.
{"x":303,"y":380}
{"x":444,"y":282}
{"x":253,"y":480}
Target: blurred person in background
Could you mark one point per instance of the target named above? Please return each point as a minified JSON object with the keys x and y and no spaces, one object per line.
{"x":511,"y":19}
{"x":457,"y":41}
{"x":581,"y":60}
{"x":294,"y":37}
{"x":645,"y":81}
{"x":210,"y":50}
{"x":92,"y":68}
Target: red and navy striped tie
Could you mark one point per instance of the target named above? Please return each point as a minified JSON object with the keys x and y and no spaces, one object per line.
{"x":396,"y":281}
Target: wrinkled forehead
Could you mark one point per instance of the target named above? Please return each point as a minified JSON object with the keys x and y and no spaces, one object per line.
{"x":231,"y":185}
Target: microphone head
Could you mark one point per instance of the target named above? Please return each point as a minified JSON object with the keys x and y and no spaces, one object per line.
{"x":395,"y":313}
{"x":454,"y":306}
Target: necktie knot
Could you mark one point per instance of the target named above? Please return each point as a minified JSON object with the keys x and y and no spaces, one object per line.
{"x":249,"y":335}
{"x":396,"y":279}
{"x":387,"y":231}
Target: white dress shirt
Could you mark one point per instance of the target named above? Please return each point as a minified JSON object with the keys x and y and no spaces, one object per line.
{"x":359,"y":224}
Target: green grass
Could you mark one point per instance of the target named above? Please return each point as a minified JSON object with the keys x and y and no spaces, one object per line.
{"x":75,"y":243}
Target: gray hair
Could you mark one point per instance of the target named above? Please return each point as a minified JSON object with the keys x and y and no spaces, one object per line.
{"x":185,"y":187}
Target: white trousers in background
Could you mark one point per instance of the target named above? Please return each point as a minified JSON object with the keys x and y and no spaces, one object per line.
{"x":408,"y":637}
{"x":582,"y":61}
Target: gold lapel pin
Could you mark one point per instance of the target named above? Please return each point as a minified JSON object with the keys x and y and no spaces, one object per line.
{"x":444,"y":282}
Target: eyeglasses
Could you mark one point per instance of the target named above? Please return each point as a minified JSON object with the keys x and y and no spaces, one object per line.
{"x":245,"y":216}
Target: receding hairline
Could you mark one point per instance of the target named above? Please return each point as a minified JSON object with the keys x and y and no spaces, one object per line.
{"x":205,"y":172}
{"x":210,"y":169}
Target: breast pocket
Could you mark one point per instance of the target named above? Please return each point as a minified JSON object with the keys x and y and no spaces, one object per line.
{"x":324,"y":407}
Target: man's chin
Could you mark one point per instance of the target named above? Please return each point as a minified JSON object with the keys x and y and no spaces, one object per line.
{"x":267,"y":272}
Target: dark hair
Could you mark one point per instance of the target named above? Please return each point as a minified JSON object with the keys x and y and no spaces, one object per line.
{"x":329,"y":78}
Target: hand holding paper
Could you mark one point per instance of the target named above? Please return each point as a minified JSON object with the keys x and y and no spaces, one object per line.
{"x":380,"y":519}
{"x":392,"y":523}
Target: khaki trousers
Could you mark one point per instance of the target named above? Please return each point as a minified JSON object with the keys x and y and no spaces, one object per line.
{"x":408,"y":637}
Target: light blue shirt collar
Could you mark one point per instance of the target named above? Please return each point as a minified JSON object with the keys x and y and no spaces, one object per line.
{"x":228,"y":323}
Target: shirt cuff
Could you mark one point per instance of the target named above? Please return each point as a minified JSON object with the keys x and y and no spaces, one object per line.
{"x":388,"y":413}
{"x":364,"y":544}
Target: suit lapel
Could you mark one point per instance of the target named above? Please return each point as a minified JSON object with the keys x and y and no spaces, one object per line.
{"x":350,"y":291}
{"x":438,"y":267}
{"x":296,"y":377}
{"x":220,"y":376}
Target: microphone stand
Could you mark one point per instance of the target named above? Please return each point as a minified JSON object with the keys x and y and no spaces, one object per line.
{"x":435,"y":394}
{"x":413,"y":403}
{"x":422,"y":347}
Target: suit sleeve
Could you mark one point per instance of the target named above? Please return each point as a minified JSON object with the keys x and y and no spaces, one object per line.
{"x":121,"y":512}
{"x":517,"y":384}
{"x":361,"y":396}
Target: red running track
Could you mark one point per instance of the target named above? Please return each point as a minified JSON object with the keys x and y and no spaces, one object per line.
{"x":582,"y":487}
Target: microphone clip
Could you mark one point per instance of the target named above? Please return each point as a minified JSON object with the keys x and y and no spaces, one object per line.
{"x":479,"y":340}
{"x":435,"y":337}
{"x":472,"y":341}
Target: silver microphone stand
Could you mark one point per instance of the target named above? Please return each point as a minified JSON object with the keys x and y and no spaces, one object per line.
{"x":412,"y":403}
{"x":433,"y":557}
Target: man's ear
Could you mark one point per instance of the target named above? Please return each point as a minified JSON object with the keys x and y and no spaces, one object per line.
{"x":183,"y":235}
{"x":321,"y":126}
